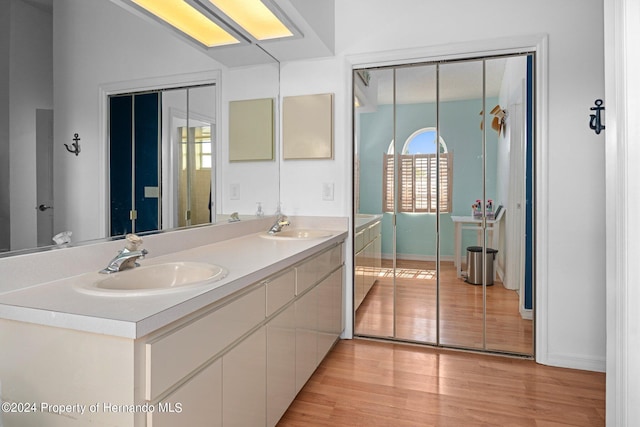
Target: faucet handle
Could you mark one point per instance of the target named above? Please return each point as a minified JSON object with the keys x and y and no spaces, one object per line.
{"x":133,"y":241}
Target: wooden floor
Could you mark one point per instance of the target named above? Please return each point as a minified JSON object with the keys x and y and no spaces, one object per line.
{"x":461,"y":310}
{"x":369,"y":383}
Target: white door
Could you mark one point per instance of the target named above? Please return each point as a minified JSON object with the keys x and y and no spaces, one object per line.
{"x":44,"y":178}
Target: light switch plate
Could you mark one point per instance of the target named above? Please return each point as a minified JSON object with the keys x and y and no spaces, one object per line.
{"x":234,"y":191}
{"x":327,"y":191}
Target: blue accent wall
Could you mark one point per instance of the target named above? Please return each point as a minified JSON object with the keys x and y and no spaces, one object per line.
{"x":147,"y":148}
{"x":120,"y":157}
{"x":140,"y":118}
{"x":460,"y":129}
{"x":529,"y":245}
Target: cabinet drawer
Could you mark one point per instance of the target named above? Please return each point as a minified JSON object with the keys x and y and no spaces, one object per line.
{"x":244,"y":383}
{"x":197,"y":400}
{"x":280,"y":290}
{"x":375,"y":230}
{"x":311,"y":271}
{"x":359,"y":241}
{"x":171,"y":357}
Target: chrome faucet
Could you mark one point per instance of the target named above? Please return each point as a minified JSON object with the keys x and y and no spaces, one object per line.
{"x":127,"y":257}
{"x":277,"y":226}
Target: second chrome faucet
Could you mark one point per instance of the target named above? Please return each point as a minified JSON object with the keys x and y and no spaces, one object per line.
{"x":280,"y":222}
{"x":127,"y":257}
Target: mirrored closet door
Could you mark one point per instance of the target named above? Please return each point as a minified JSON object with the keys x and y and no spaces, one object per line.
{"x":161,"y":159}
{"x":443,"y":211}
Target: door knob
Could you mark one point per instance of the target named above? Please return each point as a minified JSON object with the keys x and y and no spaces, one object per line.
{"x":44,"y":207}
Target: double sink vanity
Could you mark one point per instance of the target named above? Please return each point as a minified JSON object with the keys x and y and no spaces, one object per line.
{"x":217,"y":326}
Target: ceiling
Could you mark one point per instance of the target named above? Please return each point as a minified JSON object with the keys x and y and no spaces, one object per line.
{"x":313,"y":20}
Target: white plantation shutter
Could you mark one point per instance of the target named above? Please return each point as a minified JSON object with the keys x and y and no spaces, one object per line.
{"x":418,"y":181}
{"x":446,"y":182}
{"x":388,"y":175}
{"x":406,"y":182}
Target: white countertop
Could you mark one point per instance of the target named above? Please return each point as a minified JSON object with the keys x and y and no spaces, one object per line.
{"x":363,"y":220}
{"x":248,"y":259}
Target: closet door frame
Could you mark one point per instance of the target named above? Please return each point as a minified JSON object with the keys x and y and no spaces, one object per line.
{"x":538,"y":45}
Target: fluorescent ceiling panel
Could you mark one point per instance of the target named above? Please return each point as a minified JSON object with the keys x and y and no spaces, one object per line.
{"x":255,"y":17}
{"x":185,"y":18}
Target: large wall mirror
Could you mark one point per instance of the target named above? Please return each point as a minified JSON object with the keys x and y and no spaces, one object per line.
{"x":63,"y":64}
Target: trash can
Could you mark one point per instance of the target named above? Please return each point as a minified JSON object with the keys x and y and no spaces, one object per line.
{"x":474,"y":264}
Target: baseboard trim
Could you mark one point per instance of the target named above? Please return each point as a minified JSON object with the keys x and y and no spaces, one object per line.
{"x":414,"y":257}
{"x":526,"y":313}
{"x":572,"y":361}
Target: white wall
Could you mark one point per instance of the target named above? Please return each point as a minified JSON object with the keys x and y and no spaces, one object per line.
{"x":623,"y":202}
{"x":5,"y":28}
{"x":257,"y":181}
{"x":571,"y":323}
{"x":301,"y":181}
{"x":31,"y":88}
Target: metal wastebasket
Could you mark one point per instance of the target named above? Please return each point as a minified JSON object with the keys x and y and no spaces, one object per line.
{"x":474,"y":264}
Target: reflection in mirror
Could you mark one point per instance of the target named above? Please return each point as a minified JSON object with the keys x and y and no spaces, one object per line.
{"x":373,"y":132}
{"x":143,"y":126}
{"x":192,"y":134}
{"x":417,"y":199}
{"x":462,"y":101}
{"x":99,"y":46}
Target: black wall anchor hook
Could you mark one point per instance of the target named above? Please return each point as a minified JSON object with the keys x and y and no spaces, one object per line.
{"x":596,"y":120}
{"x":76,"y":145}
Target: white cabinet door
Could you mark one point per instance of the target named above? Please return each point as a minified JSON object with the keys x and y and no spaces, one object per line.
{"x":281,"y":364}
{"x":244,"y":383}
{"x":306,"y":309}
{"x":378,"y":256}
{"x":327,"y":290}
{"x":329,"y":313}
{"x":198,"y":402}
{"x":337,"y":307}
{"x":358,"y":283}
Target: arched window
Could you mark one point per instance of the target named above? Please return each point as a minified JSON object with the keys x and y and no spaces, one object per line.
{"x":418,"y":174}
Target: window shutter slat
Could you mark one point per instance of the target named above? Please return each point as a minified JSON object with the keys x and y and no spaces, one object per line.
{"x":388,"y":183}
{"x":418,"y":181}
{"x":406,"y":191}
{"x":423,"y":183}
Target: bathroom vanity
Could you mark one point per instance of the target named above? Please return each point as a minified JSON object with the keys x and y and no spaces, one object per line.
{"x":234,"y":353}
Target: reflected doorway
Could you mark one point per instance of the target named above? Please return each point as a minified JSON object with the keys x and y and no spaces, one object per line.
{"x":421,"y":207}
{"x":161,"y":159}
{"x":44,"y":176}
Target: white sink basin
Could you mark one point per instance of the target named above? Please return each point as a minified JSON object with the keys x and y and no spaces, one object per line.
{"x":298,"y":234}
{"x":155,"y":279}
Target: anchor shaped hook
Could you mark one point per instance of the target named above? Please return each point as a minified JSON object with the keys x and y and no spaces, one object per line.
{"x":76,"y":145}
{"x":596,"y":121}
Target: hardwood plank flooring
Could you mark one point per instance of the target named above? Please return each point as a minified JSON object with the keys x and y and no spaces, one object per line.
{"x":461,"y":312}
{"x":371,"y":383}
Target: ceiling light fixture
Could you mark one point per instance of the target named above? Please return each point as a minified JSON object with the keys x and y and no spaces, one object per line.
{"x":189,"y":21}
{"x":255,"y":17}
{"x":257,"y":20}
